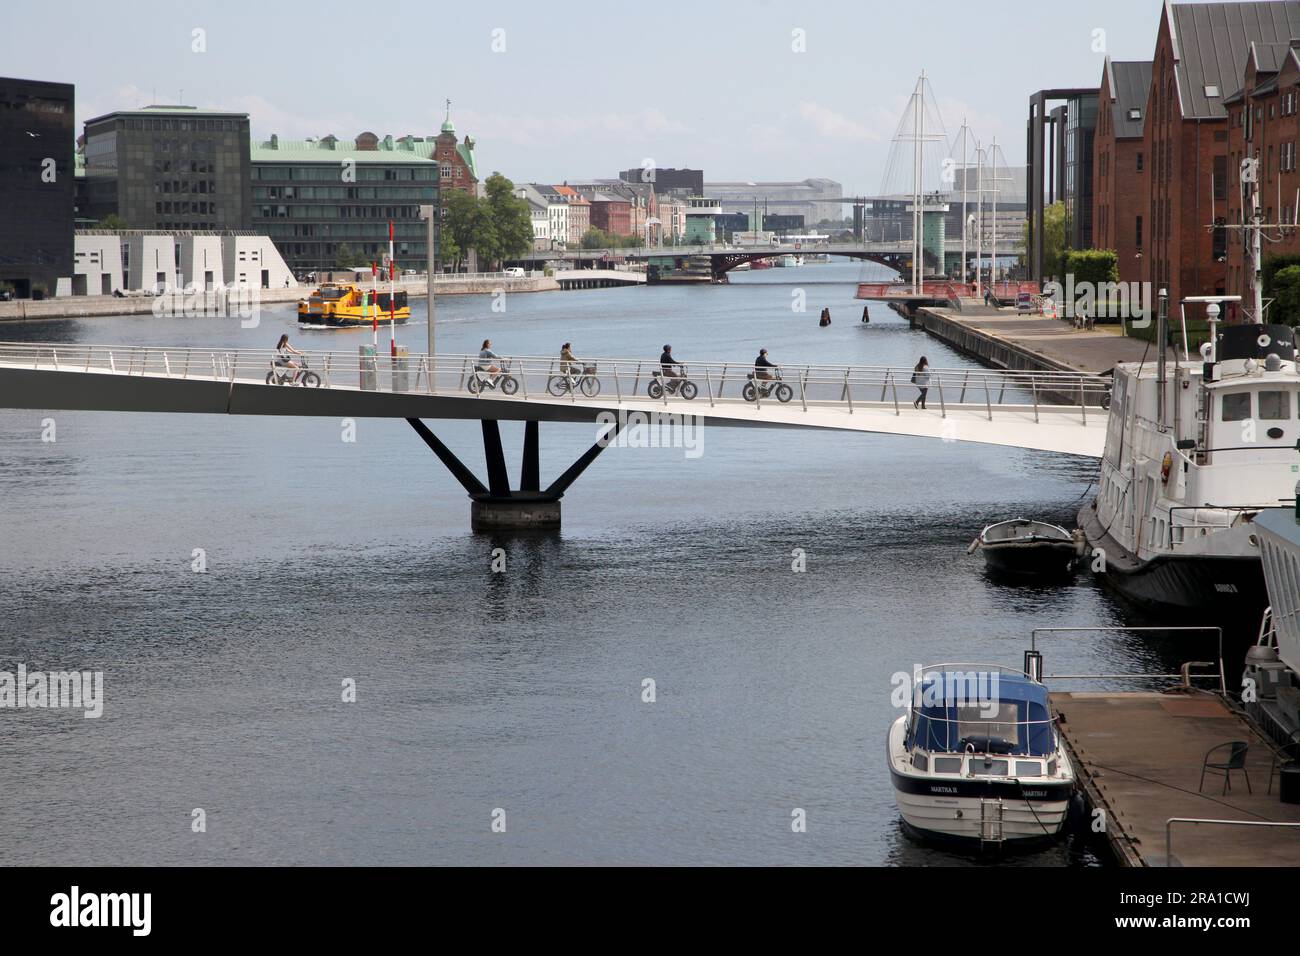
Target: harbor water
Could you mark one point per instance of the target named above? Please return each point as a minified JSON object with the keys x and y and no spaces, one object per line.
{"x":230,"y":576}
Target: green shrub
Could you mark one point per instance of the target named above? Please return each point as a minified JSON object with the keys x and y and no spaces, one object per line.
{"x":1284,"y":289}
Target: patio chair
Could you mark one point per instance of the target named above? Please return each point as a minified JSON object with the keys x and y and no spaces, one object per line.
{"x":1237,"y":750}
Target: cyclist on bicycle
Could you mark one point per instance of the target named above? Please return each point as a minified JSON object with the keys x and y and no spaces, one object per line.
{"x":487,"y":360}
{"x":666,"y":363}
{"x":570,"y":367}
{"x":762,"y":364}
{"x":284,"y":353}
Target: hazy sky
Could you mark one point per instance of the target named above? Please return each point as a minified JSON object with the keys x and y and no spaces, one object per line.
{"x":571,"y":90}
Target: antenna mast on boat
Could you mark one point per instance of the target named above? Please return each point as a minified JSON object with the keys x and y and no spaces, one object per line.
{"x":1255,"y":231}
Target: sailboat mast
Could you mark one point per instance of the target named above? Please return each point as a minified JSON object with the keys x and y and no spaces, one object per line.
{"x":965,"y":131}
{"x":918,"y":132}
{"x":979,"y":221}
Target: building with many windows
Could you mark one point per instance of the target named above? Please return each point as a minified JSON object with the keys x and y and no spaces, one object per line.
{"x":36,"y":190}
{"x":169,"y":168}
{"x":817,"y":200}
{"x":1119,"y":167}
{"x":1264,"y":123}
{"x":579,"y":212}
{"x":457,"y":169}
{"x":323,"y":201}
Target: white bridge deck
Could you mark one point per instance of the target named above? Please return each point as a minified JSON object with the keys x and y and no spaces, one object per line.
{"x":1048,"y":411}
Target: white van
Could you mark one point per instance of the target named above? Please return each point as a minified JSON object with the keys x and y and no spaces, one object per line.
{"x":514,"y":272}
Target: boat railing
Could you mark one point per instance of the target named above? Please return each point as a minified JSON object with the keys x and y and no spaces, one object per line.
{"x":1034,"y":660}
{"x":878,"y":387}
{"x":1234,"y":513}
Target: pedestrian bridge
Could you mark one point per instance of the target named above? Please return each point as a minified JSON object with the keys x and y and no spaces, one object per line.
{"x":1049,"y":411}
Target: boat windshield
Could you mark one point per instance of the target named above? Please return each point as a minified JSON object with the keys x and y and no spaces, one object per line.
{"x":987,"y":712}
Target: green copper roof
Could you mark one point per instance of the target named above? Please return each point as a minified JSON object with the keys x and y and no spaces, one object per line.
{"x":467,"y":154}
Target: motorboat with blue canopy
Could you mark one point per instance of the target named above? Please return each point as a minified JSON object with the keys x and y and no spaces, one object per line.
{"x":976,"y":757}
{"x":1022,"y":724}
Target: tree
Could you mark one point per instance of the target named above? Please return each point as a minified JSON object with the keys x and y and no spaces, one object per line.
{"x":595,"y":239}
{"x":344,"y":257}
{"x":1285,"y":309}
{"x":465,"y":226}
{"x":511,"y":233}
{"x":112,"y":221}
{"x":1053,"y":238}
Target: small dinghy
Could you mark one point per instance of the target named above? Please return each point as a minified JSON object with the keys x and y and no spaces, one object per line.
{"x":1028,"y":548}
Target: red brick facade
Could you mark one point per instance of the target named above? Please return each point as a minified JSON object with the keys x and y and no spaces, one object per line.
{"x":1182,"y":156}
{"x":1120,"y":192}
{"x":1262,"y":122}
{"x":613,"y":216}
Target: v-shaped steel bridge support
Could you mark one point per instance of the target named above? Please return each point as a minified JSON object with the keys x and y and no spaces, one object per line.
{"x":497,"y":505}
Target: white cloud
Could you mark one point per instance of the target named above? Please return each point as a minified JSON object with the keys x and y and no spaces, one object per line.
{"x":542,"y":129}
{"x":833,"y":125}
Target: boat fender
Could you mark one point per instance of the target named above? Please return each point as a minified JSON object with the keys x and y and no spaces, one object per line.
{"x":973,"y":545}
{"x":1166,"y":466}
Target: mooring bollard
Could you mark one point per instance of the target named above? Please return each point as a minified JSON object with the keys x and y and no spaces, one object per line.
{"x":369,"y":368}
{"x":401,"y":369}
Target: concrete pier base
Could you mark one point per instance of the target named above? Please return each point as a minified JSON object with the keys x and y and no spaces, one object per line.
{"x":523,"y":514}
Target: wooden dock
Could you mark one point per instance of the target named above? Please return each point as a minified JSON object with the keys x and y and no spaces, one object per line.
{"x":1138,"y":757}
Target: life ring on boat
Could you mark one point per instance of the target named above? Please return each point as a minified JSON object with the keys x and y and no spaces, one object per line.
{"x":1166,"y":466}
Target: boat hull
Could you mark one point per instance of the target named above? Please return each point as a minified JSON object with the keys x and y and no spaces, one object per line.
{"x":1224,"y":588}
{"x":950,"y":809}
{"x":348,"y":321}
{"x":1039,"y":559}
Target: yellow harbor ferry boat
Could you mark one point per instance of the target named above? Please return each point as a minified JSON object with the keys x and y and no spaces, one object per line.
{"x":344,"y":304}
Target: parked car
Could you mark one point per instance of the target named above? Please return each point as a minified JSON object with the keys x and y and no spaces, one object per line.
{"x":514,"y":272}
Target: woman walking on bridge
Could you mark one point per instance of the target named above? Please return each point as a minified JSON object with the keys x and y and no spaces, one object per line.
{"x":921,"y":379}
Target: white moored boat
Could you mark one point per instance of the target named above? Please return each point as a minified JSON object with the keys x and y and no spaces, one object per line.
{"x":977,"y":758}
{"x":1193,"y":454}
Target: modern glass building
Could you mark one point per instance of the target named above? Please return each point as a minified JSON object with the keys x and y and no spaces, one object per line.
{"x":169,"y":168}
{"x":1080,"y":134}
{"x":324,"y":200}
{"x":36,"y":185}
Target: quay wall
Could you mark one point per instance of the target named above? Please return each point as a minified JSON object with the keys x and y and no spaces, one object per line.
{"x":990,"y":349}
{"x":80,"y":307}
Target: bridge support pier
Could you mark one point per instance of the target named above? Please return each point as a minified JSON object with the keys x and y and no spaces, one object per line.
{"x":498,"y":507}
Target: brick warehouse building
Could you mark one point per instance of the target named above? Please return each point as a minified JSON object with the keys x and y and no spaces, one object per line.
{"x":1119,"y":166}
{"x":1199,"y":64}
{"x":1263,"y":122}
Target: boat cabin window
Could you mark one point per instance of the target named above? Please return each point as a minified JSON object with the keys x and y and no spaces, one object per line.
{"x":981,"y":767}
{"x":973,"y":721}
{"x":920,"y":761}
{"x":1029,"y":768}
{"x":1051,"y":767}
{"x":947,"y":765}
{"x":1275,"y":406}
{"x":1236,"y":406}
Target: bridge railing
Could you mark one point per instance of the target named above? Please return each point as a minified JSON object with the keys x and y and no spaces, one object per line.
{"x":544,"y":378}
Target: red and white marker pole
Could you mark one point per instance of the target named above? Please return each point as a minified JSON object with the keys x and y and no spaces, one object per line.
{"x":392,"y":295}
{"x":374,"y":292}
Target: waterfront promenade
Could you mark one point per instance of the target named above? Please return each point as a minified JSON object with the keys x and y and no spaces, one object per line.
{"x":1003,"y":339}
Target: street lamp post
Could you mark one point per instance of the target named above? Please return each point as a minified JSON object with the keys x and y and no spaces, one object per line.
{"x":429,"y":214}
